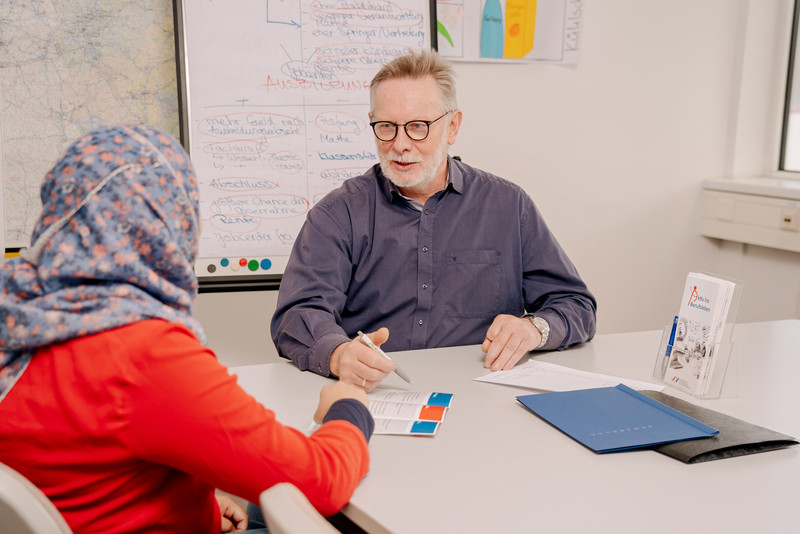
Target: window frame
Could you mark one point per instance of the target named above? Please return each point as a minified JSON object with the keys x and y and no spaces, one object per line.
{"x":787,"y":102}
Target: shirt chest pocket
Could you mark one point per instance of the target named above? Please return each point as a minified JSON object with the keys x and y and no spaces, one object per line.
{"x":471,"y":284}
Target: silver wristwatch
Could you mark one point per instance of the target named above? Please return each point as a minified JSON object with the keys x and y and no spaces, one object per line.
{"x":542,"y":326}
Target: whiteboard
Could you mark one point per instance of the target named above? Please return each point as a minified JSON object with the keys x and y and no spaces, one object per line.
{"x":275,"y":102}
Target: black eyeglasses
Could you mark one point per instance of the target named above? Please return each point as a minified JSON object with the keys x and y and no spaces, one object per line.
{"x":415,"y":130}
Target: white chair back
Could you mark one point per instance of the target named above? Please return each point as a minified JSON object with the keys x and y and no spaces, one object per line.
{"x":24,"y":509}
{"x":287,"y":511}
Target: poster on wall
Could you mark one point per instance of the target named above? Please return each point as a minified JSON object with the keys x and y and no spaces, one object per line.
{"x":510,"y":30}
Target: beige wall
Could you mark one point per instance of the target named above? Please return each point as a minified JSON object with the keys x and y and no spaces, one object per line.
{"x":237,"y":325}
{"x":615,"y":150}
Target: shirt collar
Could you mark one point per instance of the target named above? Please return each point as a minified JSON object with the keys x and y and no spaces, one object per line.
{"x":455,"y":175}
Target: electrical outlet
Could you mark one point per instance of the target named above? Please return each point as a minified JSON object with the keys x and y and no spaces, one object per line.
{"x":790,"y":220}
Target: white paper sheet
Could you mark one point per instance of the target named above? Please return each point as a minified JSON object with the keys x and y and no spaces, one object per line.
{"x":551,"y":377}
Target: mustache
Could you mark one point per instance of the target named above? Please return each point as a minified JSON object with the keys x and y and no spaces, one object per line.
{"x":401,"y":158}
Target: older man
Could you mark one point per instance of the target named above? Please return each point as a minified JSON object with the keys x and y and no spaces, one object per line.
{"x":426,"y":248}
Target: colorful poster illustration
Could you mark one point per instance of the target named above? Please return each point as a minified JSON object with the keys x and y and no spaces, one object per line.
{"x":509,"y":30}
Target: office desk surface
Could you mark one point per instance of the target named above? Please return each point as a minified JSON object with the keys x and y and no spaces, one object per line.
{"x":495,"y":467}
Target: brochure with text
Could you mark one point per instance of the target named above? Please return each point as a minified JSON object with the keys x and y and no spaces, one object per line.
{"x":698,"y":332}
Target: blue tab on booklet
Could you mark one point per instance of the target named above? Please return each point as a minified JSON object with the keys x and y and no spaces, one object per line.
{"x":613,"y":419}
{"x":440,"y":399}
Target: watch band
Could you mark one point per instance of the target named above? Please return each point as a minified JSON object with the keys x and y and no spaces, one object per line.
{"x":541,"y":324}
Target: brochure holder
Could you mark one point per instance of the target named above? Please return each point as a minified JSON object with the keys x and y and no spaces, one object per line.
{"x":721,"y":376}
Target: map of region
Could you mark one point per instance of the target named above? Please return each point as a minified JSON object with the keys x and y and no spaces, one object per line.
{"x":67,"y":66}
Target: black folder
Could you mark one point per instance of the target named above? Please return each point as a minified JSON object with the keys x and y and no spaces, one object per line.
{"x":735,"y":438}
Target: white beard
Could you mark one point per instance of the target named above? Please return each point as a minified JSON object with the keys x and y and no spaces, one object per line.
{"x":426,"y":173}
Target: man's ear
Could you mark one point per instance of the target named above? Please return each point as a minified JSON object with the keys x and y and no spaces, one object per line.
{"x":453,"y":125}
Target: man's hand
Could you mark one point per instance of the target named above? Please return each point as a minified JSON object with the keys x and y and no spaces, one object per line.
{"x":357,"y":364}
{"x":337,"y":391}
{"x":234,"y":518}
{"x":507,"y":340}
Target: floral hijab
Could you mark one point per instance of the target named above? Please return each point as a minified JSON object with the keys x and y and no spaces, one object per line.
{"x":115,"y":244}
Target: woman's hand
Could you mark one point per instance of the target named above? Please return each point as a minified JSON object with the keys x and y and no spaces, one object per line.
{"x":234,"y":518}
{"x":336,"y":391}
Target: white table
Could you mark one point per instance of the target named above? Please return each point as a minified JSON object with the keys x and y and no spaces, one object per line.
{"x":494,"y":467}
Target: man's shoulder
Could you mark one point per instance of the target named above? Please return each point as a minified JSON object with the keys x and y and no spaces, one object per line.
{"x":486,"y":183}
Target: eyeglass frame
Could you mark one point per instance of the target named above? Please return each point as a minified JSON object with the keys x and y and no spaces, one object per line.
{"x":405,"y":129}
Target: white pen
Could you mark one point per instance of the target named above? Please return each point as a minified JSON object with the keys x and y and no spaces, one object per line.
{"x":368,"y":342}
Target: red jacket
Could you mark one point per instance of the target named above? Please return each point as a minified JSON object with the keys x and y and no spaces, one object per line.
{"x":133,"y":428}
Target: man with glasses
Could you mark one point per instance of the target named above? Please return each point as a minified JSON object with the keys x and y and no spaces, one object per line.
{"x":426,"y":248}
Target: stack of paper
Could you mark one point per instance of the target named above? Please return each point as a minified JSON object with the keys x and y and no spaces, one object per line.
{"x":546,"y":376}
{"x":408,"y":412}
{"x":698,"y":332}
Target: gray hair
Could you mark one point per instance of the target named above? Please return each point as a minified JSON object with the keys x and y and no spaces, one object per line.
{"x":415,"y":65}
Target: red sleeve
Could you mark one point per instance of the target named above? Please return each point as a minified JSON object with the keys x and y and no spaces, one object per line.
{"x":187,"y":412}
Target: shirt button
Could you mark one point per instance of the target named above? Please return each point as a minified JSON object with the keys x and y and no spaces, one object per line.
{"x":424,"y":249}
{"x":426,"y":211}
{"x":425,"y":286}
{"x":420,"y":322}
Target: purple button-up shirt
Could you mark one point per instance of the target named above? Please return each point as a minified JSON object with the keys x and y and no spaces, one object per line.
{"x":367,"y":257}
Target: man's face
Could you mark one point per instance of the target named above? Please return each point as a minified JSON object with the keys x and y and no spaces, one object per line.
{"x":409,"y":164}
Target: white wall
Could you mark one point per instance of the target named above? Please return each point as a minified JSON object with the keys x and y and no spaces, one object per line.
{"x":614,"y":150}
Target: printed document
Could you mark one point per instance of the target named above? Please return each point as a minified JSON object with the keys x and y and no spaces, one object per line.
{"x":551,"y":377}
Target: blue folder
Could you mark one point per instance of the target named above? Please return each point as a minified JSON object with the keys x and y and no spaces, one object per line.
{"x":614,"y":418}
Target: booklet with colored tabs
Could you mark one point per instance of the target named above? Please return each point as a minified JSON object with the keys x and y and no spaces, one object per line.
{"x":410,"y":413}
{"x":611,"y":419}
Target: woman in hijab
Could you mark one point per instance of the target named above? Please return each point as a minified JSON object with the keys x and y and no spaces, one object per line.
{"x":110,"y":402}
